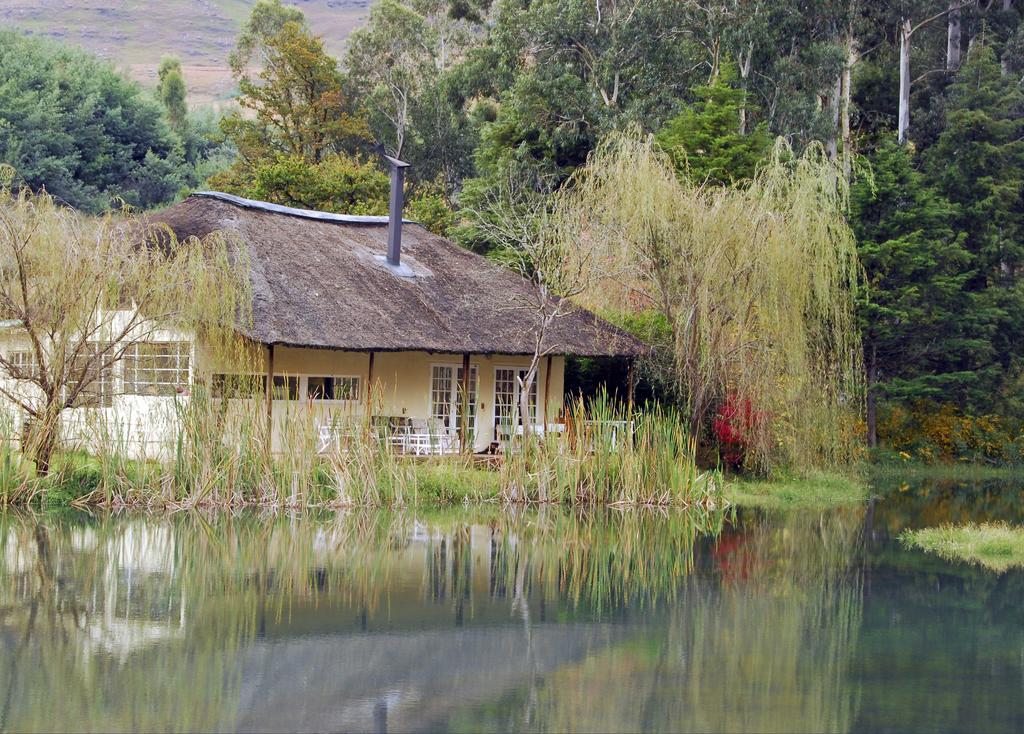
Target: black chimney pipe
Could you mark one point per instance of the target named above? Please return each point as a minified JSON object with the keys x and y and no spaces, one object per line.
{"x":395,"y":208}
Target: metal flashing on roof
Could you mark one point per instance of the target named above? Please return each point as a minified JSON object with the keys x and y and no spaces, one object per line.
{"x":401,"y":270}
{"x":293,"y":212}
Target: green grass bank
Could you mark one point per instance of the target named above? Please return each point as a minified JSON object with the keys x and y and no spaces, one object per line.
{"x":995,"y":546}
{"x":818,"y":490}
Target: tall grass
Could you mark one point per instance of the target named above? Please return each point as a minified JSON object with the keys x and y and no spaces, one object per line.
{"x":611,"y":455}
{"x":229,"y":453}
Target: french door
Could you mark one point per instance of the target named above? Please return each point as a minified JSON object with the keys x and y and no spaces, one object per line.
{"x":446,"y":396}
{"x":507,"y":391}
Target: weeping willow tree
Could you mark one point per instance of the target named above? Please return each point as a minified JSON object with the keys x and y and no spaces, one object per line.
{"x":756,"y":284}
{"x":78,"y":294}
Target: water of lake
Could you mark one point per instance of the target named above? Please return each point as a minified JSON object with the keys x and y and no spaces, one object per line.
{"x":478,"y":620}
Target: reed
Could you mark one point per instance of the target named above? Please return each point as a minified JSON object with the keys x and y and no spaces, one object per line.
{"x":204,"y":451}
{"x":18,"y":484}
{"x":612,"y":455}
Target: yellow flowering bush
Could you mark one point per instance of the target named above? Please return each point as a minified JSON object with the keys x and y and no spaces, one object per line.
{"x":933,"y":432}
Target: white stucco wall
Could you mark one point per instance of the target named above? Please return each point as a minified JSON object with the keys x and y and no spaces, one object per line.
{"x":399,"y":386}
{"x":142,"y":426}
{"x":400,"y":383}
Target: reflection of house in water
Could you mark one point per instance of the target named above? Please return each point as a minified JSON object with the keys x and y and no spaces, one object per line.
{"x":142,"y":606}
{"x":448,"y":632}
{"x":133,"y":603}
{"x":403,"y":680}
{"x":302,"y":627}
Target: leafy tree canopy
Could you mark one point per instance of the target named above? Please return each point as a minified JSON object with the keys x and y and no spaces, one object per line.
{"x":75,"y":127}
{"x":297,"y":102}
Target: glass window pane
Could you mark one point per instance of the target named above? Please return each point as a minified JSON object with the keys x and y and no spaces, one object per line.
{"x":157,"y":368}
{"x":441,"y":394}
{"x":319,"y":388}
{"x":332,"y":388}
{"x":286,"y":387}
{"x":238,"y":386}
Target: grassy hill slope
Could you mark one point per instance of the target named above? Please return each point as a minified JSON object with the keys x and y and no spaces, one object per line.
{"x":136,"y":34}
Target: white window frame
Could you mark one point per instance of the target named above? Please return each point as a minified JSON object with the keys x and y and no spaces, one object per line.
{"x":25,"y":361}
{"x":474,"y":395}
{"x":182,"y":352}
{"x":357,"y":392}
{"x":103,"y":389}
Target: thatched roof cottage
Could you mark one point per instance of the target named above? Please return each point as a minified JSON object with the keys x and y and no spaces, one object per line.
{"x":349,"y":307}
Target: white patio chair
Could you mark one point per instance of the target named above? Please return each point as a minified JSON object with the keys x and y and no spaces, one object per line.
{"x":429,"y":437}
{"x":327,"y":438}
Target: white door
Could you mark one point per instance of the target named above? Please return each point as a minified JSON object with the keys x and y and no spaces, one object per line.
{"x":446,"y":396}
{"x":506,"y":400}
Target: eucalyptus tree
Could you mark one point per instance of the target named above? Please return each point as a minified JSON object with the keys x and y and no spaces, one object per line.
{"x":630,"y":55}
{"x":565,"y":74}
{"x":266,"y":20}
{"x":790,"y":59}
{"x":297,"y":102}
{"x":404,"y":47}
{"x":298,"y":125}
{"x":915,"y":16}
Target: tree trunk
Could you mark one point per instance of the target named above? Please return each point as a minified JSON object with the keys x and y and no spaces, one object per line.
{"x":903,"y":120}
{"x":745,"y":67}
{"x":872,"y":407}
{"x":953,"y":36}
{"x":42,"y":441}
{"x":844,"y":104}
{"x":835,"y":106}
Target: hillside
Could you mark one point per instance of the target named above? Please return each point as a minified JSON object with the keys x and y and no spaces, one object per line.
{"x":136,"y":34}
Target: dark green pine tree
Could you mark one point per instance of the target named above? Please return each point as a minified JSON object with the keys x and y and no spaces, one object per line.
{"x":705,"y":140}
{"x":914,"y":312}
{"x":977,"y":163}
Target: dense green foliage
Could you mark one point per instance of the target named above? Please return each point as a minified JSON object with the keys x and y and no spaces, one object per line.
{"x":301,"y":137}
{"x":705,"y":139}
{"x":71,"y":124}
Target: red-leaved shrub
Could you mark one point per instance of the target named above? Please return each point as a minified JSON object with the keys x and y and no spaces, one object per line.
{"x":733,"y":426}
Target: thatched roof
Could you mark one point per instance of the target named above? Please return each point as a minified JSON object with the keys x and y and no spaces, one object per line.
{"x":319,"y":281}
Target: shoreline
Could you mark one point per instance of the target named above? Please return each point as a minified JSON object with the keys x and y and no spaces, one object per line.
{"x":82,"y":485}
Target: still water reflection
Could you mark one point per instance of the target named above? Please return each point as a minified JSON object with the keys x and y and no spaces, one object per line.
{"x":483,"y":621}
